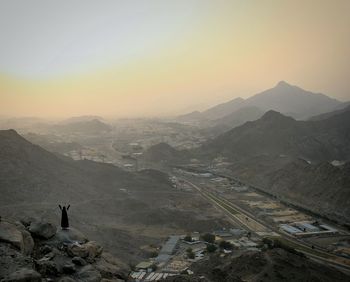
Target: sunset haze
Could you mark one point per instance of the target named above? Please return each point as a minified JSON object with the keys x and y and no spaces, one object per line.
{"x":158,"y":58}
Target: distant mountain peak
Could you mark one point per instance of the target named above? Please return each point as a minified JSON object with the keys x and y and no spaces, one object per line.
{"x":274,"y":115}
{"x":283,"y":83}
{"x":9,"y":133}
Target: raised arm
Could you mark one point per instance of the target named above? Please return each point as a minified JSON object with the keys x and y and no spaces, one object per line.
{"x":60,"y":207}
{"x":68,"y":207}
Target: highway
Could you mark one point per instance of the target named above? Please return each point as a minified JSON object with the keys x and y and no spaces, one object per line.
{"x":251,"y":223}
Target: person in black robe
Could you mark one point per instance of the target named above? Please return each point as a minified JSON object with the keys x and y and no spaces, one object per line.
{"x":64,"y":218}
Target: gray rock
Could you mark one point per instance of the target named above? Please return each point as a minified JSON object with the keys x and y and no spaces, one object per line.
{"x":26,"y":221}
{"x":12,"y":260}
{"x":28,"y":242}
{"x":69,"y":268}
{"x":67,"y":279}
{"x":79,"y":261}
{"x":89,"y":274}
{"x":16,"y":236}
{"x":23,"y":275}
{"x":45,"y":249}
{"x":47,"y":267}
{"x":89,"y":250}
{"x":42,"y":229}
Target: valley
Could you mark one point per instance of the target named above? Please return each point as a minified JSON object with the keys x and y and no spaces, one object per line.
{"x":269,"y":182}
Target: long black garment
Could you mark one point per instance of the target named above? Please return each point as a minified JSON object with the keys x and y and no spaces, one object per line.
{"x":64,"y":218}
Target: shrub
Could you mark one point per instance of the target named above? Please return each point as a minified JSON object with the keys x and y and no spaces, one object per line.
{"x":225,"y":245}
{"x":211,"y":248}
{"x":207,"y":237}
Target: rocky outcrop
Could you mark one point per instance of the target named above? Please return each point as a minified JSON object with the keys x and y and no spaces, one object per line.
{"x":51,"y":255}
{"x":23,"y":275}
{"x":41,"y":229}
{"x":17,"y":236}
{"x":89,"y":250}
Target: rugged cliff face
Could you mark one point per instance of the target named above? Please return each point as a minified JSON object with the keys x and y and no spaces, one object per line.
{"x":34,"y":250}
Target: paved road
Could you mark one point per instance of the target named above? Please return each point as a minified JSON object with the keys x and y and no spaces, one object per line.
{"x":250,"y":222}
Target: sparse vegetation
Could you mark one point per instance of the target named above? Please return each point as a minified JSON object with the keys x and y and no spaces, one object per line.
{"x":225,"y":245}
{"x":188,"y":238}
{"x":211,"y":248}
{"x":209,"y":238}
{"x":276,"y":243}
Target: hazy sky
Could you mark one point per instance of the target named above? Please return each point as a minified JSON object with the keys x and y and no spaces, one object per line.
{"x":148,"y":58}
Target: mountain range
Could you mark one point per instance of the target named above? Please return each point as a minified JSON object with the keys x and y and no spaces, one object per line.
{"x":287,"y":158}
{"x":92,"y":126}
{"x":276,"y":134}
{"x":284,"y":98}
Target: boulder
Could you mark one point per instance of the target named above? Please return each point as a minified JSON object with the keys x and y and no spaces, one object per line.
{"x":79,"y":261}
{"x":23,"y":275}
{"x":89,"y":250}
{"x":16,"y":236}
{"x":28,"y":243}
{"x":26,"y":221}
{"x":89,"y":274}
{"x":42,"y":229}
{"x":47,"y":267}
{"x":68,"y":268}
{"x":69,"y":236}
{"x":45,"y":249}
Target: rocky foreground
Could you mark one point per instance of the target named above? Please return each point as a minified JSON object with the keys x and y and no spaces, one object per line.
{"x":34,"y":250}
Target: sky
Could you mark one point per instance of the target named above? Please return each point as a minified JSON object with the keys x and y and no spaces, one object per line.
{"x":157,"y":58}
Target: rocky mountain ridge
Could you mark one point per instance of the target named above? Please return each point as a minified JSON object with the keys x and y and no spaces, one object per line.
{"x":283,"y":97}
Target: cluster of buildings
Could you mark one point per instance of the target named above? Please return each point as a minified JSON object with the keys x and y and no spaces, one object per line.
{"x":307,"y":228}
{"x":173,"y":259}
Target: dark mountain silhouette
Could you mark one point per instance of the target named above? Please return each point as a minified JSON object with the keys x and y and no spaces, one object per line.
{"x":29,"y":172}
{"x":284,"y":98}
{"x":223,"y":109}
{"x":276,"y":134}
{"x":241,"y":116}
{"x":163,"y":153}
{"x":330,"y":114}
{"x":293,"y":100}
{"x":195,"y":115}
{"x":93,"y":126}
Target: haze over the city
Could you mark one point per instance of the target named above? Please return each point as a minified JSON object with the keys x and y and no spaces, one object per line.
{"x":174,"y":140}
{"x":150,"y":58}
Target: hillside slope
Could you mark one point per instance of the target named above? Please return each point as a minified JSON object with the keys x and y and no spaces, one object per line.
{"x":122,"y":210}
{"x":276,"y":134}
